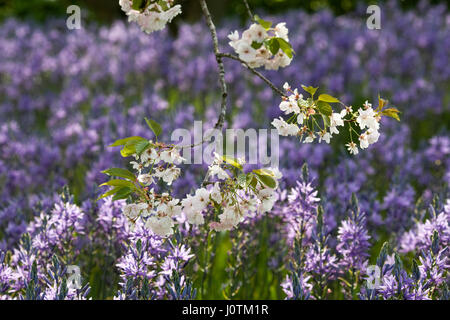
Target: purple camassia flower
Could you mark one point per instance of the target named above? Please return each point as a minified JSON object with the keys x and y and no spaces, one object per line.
{"x":53,"y":292}
{"x":22,"y":261}
{"x":55,"y":287}
{"x":174,"y":262}
{"x":137,"y":264}
{"x":349,"y":177}
{"x":300,"y":211}
{"x":303,"y":289}
{"x":321,"y":262}
{"x":111,"y":219}
{"x":434,"y":267}
{"x":14,"y":216}
{"x":419,"y":238}
{"x":294,"y":155}
{"x":425,"y":278}
{"x":353,"y":242}
{"x":399,"y":204}
{"x":150,"y":258}
{"x":174,"y":258}
{"x":13,"y":223}
{"x":54,"y":232}
{"x":439,"y":149}
{"x":6,"y":275}
{"x":60,"y":229}
{"x":402,"y":287}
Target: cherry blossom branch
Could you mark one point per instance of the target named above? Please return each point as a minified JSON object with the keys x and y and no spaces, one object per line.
{"x":257,"y":73}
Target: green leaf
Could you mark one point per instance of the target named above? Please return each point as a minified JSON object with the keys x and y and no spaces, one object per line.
{"x":141,"y":146}
{"x":391,"y":112}
{"x":265,"y":24}
{"x":327,"y":98}
{"x":119,"y":172}
{"x":138,"y":4}
{"x":118,"y":183}
{"x":122,"y":142}
{"x":109,"y":193}
{"x":263,"y":172}
{"x":274,"y":46}
{"x":242,"y":180}
{"x":324,"y":108}
{"x":344,"y":281}
{"x":129,"y":145}
{"x":163,"y":4}
{"x":253,"y":181}
{"x":154,"y":126}
{"x":286,"y":47}
{"x":381,"y":103}
{"x":129,"y":149}
{"x":256,"y":45}
{"x":267,"y":181}
{"x":122,"y":193}
{"x":415,"y":270}
{"x":310,"y":90}
{"x":326,"y":120}
{"x":265,"y":177}
{"x":250,"y":180}
{"x":232,"y":162}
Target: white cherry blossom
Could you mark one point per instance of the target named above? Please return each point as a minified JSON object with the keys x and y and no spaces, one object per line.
{"x":366,"y":118}
{"x":352,"y":148}
{"x":146,"y":179}
{"x":216,"y":170}
{"x":195,"y":217}
{"x":133,"y":210}
{"x":162,"y":226}
{"x":284,"y":128}
{"x":153,"y":17}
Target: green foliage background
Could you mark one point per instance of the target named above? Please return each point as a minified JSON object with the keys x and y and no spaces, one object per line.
{"x":109,"y":10}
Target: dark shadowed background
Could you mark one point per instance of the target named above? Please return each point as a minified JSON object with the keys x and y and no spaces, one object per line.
{"x":104,"y":11}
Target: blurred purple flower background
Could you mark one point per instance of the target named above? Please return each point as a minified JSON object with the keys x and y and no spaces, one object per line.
{"x":66,"y":95}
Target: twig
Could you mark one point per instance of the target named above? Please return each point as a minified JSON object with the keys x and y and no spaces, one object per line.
{"x":249,"y":11}
{"x":257,"y":73}
{"x":219,"y":55}
{"x":223,"y":84}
